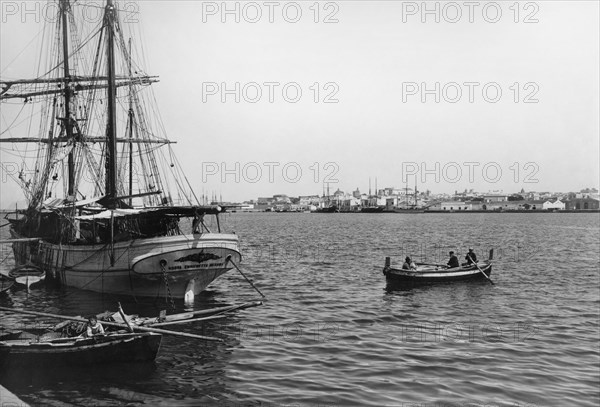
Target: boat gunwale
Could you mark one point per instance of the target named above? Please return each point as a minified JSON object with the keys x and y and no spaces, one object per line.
{"x":440,"y":273}
{"x":225,"y":238}
{"x":62,"y":344}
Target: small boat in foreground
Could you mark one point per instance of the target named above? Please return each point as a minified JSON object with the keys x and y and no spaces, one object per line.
{"x":5,"y":283}
{"x":112,"y":348}
{"x":27,"y":274}
{"x":436,"y":273}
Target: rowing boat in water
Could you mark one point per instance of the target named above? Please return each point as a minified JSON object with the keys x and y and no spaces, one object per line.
{"x":113,"y":348}
{"x":27,"y":274}
{"x":435,"y":273}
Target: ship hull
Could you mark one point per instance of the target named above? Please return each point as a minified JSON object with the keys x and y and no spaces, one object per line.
{"x":176,"y":266}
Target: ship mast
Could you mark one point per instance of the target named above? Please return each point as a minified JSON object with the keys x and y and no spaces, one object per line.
{"x":111,"y":124}
{"x":416,"y":201}
{"x":130,"y":128}
{"x":64,"y":5}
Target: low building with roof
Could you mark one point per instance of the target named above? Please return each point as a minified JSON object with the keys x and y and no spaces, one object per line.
{"x":553,"y":204}
{"x":582,"y":204}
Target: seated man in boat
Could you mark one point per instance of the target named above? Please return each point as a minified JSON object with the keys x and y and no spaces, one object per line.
{"x":408,"y":264}
{"x":94,"y":327}
{"x":471,"y":258}
{"x":453,"y":262}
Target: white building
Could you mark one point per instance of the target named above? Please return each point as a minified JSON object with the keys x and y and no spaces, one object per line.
{"x":557,"y":204}
{"x":456,"y":206}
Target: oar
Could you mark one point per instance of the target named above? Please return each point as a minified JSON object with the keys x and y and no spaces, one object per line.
{"x":187,"y":316}
{"x":238,"y":269}
{"x":185,"y":321}
{"x":213,"y":311}
{"x":136,"y":328}
{"x":479,"y":268}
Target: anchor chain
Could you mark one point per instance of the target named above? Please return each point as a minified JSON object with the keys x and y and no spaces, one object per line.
{"x":163,"y":263}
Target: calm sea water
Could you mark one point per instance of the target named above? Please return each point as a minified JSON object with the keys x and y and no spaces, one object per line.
{"x":330,"y":333}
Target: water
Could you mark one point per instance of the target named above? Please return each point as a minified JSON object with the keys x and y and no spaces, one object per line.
{"x":330,"y":332}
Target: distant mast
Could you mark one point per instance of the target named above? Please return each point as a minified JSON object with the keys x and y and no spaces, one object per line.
{"x":111,"y":124}
{"x":416,"y":202}
{"x":67,"y":123}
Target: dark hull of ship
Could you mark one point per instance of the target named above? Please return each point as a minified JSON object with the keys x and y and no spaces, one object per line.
{"x":373,"y":209}
{"x":407,"y":210}
{"x":329,"y":209}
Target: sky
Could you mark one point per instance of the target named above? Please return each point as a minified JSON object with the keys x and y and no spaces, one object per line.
{"x":493,"y":96}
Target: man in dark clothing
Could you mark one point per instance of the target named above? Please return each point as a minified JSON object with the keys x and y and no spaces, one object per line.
{"x":453,"y":262}
{"x":471,"y":257}
{"x":408,"y":264}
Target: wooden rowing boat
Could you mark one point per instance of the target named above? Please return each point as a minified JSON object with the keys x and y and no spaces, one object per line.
{"x":112,"y":348}
{"x":27,"y":274}
{"x":431,"y":273}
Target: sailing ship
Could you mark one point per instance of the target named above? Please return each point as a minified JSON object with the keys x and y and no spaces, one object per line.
{"x":109,"y":208}
{"x":372,"y":204}
{"x":406,"y":207}
{"x":328,"y":205}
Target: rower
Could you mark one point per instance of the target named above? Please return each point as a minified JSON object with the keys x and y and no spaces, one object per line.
{"x":453,"y":262}
{"x":471,"y":257}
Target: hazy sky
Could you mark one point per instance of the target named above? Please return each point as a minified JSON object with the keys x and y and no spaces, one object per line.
{"x":374,"y":64}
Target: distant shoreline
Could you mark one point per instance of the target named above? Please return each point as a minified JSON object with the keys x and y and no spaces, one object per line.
{"x":417,"y":212}
{"x":521,"y":211}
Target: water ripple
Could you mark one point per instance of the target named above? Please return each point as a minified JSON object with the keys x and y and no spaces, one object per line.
{"x":331,"y":333}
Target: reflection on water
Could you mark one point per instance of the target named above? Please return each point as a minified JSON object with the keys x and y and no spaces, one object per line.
{"x":332,"y":332}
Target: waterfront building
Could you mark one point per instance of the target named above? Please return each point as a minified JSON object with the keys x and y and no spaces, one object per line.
{"x":489,"y":198}
{"x":582,"y":204}
{"x":553,"y":204}
{"x":456,"y":206}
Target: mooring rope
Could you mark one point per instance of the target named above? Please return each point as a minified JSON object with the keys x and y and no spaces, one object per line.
{"x":228,"y":260}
